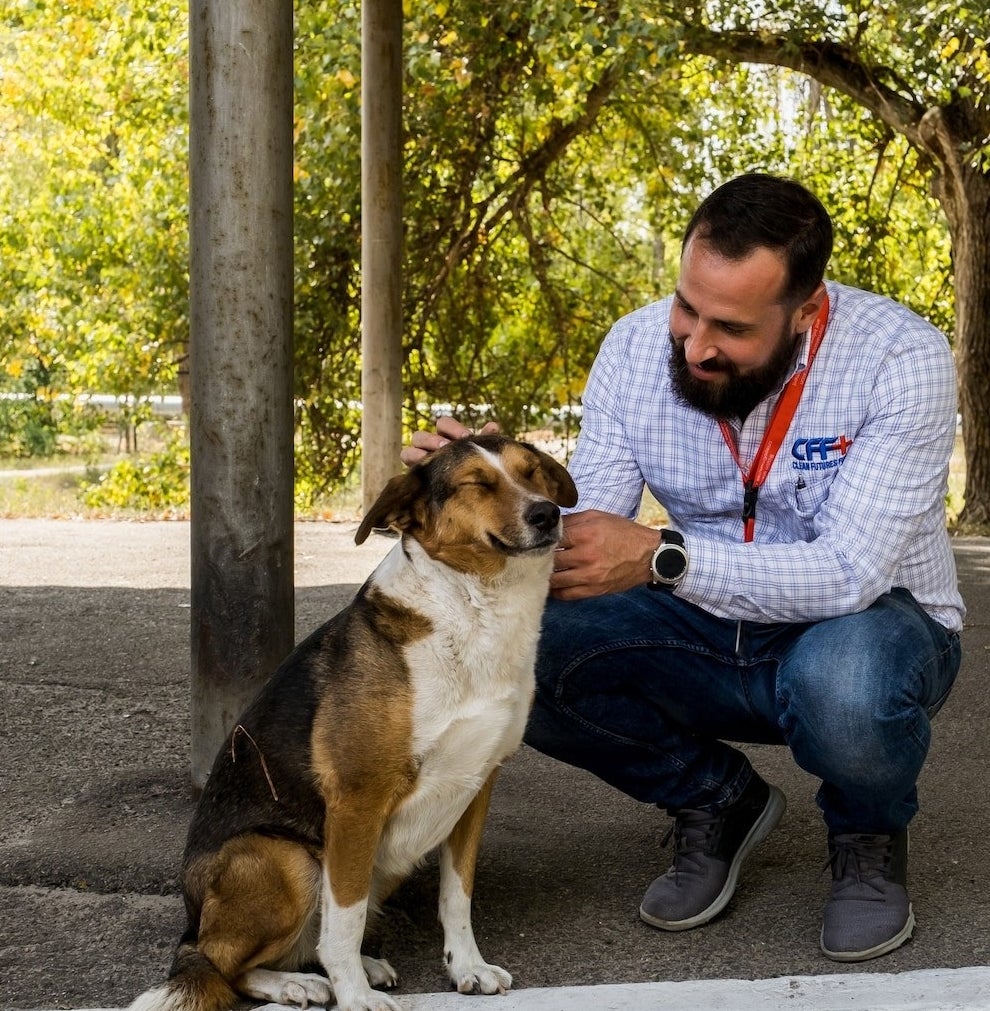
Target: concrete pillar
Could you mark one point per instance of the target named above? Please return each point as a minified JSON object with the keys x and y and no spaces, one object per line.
{"x":240,"y":357}
{"x":381,"y":244}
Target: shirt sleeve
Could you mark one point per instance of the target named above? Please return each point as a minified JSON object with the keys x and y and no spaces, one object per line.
{"x":888,"y":494}
{"x":604,"y":464}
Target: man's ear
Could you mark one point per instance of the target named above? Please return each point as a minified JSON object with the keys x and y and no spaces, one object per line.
{"x":394,"y":506}
{"x":805,"y":314}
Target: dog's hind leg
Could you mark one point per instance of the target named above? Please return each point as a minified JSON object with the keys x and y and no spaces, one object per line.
{"x":469,"y":972}
{"x":284,"y":983}
{"x":259,"y":895}
{"x":298,"y":988}
{"x":379,"y":972}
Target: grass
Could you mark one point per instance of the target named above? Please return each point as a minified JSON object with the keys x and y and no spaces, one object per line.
{"x":45,"y":496}
{"x":58,"y":496}
{"x":957,"y":483}
{"x":51,"y":487}
{"x":28,"y":494}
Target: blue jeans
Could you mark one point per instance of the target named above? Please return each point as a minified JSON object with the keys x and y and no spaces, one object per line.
{"x":644,"y":690}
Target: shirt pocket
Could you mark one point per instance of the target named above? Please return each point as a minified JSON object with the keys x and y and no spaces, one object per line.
{"x":808,"y":494}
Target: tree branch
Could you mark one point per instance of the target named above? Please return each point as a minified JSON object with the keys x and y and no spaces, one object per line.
{"x":830,"y":63}
{"x":489,"y":212}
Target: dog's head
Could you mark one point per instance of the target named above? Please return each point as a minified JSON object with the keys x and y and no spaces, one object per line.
{"x":477,"y":502}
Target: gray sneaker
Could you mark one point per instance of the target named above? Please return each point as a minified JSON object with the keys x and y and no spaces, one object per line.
{"x":868,"y":912}
{"x":709,"y":849}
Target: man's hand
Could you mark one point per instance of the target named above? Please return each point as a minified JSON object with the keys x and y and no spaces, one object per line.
{"x":601,"y":553}
{"x":448,"y":429}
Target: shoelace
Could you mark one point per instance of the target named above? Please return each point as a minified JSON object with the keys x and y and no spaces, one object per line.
{"x":860,"y":860}
{"x":693,"y":832}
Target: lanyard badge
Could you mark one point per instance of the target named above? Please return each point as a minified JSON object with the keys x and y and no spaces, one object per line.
{"x":754,"y":475}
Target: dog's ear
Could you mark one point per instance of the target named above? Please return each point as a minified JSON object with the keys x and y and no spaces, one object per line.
{"x":394,"y":507}
{"x":559,"y":483}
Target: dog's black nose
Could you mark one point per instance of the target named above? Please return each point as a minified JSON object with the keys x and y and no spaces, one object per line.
{"x":543,"y":515}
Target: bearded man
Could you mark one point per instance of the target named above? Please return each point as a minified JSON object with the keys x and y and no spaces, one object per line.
{"x":797,"y":432}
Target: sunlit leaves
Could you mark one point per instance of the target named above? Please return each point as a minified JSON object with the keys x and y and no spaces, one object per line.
{"x":92,"y":192}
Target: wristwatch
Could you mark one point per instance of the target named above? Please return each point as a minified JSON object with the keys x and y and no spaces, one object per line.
{"x":669,"y":562}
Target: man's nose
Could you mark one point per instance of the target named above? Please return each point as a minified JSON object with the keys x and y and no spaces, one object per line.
{"x":699,"y":345}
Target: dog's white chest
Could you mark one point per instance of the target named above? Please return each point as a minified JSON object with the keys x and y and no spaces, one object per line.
{"x":472,"y":685}
{"x":460,"y":734}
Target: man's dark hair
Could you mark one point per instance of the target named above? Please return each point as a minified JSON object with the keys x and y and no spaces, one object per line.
{"x":756,"y":211}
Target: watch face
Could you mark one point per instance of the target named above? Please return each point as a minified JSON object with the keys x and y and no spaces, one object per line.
{"x":670,"y":564}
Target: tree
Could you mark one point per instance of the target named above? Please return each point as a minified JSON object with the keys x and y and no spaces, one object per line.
{"x":553,"y":153}
{"x":93,"y":196}
{"x":922,"y":69}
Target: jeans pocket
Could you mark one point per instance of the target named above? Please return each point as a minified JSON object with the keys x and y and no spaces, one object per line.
{"x":945,"y":674}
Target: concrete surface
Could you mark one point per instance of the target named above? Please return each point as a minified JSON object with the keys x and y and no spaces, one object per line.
{"x":94,"y":801}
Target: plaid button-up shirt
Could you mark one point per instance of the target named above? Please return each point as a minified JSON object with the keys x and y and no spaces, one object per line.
{"x":855,"y":501}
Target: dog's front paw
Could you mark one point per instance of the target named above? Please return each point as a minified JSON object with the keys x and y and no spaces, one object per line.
{"x":379,"y":972}
{"x":481,"y":978}
{"x":373,"y":1000}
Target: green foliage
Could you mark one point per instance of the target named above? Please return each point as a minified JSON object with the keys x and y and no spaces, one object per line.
{"x":520,"y":245}
{"x":156,"y":483}
{"x":891,"y":236}
{"x":92,"y":195}
{"x":35,"y":422}
{"x":553,"y":153}
{"x":39,"y":427}
{"x":327,"y":243}
{"x":27,"y":428}
{"x":524,"y":240}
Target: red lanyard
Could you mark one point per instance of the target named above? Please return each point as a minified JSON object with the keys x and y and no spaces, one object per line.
{"x":780,"y":421}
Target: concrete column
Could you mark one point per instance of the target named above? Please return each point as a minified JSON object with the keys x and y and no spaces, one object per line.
{"x":240,"y":358}
{"x":381,"y":244}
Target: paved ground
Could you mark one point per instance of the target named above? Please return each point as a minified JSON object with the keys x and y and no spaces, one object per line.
{"x":94,"y":801}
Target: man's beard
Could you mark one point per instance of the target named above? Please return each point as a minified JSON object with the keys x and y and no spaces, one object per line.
{"x":734,"y":395}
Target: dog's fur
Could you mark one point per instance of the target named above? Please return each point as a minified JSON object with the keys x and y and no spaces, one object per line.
{"x":376,"y":741}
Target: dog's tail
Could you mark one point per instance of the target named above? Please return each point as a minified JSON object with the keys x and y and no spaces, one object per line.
{"x":194,"y":984}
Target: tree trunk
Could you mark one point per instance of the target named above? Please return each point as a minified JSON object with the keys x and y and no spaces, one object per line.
{"x":381,"y":244}
{"x":972,"y":247}
{"x":964,"y":193}
{"x":240,"y":316}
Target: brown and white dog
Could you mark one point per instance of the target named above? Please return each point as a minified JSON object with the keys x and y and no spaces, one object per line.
{"x":375,"y":742}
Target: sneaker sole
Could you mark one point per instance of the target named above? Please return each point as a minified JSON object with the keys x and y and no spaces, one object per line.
{"x":762,"y":827}
{"x":904,"y":934}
